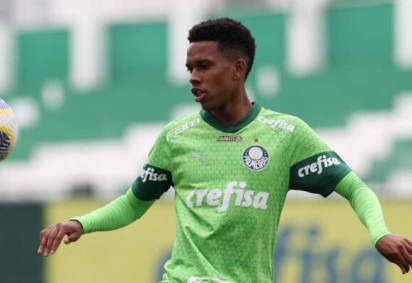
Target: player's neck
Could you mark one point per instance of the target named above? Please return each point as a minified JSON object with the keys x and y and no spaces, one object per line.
{"x":232,"y":113}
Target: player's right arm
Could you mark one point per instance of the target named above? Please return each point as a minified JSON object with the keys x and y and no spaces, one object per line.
{"x":118,"y":213}
{"x":148,"y":187}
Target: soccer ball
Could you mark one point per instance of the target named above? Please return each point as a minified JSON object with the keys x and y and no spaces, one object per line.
{"x":8,"y":129}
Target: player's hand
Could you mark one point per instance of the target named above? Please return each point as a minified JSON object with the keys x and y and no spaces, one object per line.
{"x":397,"y":250}
{"x":51,"y":237}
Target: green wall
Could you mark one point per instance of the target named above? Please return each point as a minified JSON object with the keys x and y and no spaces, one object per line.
{"x":19,"y":240}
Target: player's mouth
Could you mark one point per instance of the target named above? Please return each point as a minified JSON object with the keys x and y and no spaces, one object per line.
{"x":199,"y":93}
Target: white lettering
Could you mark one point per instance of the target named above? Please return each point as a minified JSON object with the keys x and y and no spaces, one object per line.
{"x":317,"y":167}
{"x":277,"y":123}
{"x":213,"y":197}
{"x":261,"y":200}
{"x":200,"y":195}
{"x":239,"y":197}
{"x":182,"y":128}
{"x":247,"y":198}
{"x":150,"y":175}
{"x":235,"y":193}
{"x":227,"y":196}
{"x":189,"y":202}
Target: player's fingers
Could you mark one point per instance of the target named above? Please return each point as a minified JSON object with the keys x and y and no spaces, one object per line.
{"x":54,"y":237}
{"x":409,"y":242}
{"x":408,"y":246}
{"x":403,"y":260}
{"x":57,"y":239}
{"x":51,"y":234}
{"x":396,"y":257}
{"x":44,"y":239}
{"x":403,"y":270}
{"x":44,"y":234}
{"x":408,"y":255}
{"x":400,"y":262}
{"x":408,"y":258}
{"x":406,"y":268}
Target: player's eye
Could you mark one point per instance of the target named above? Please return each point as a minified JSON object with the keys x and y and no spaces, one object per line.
{"x":204,"y":66}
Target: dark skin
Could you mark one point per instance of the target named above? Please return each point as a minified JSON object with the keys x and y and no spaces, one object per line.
{"x":219,"y":80}
{"x":397,"y":250}
{"x":52,"y":236}
{"x":218,"y":84}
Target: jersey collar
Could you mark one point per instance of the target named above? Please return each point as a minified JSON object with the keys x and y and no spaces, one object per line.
{"x":250,"y":116}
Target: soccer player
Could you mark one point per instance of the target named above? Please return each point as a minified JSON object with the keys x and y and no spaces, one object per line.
{"x":231,"y":165}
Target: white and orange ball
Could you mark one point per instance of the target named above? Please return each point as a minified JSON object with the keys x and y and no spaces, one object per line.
{"x":8,"y":129}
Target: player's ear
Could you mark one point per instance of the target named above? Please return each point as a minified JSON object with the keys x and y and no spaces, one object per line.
{"x":240,"y":67}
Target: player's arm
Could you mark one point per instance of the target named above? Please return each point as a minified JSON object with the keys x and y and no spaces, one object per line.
{"x":149,"y":186}
{"x":118,"y":213}
{"x":367,"y":207}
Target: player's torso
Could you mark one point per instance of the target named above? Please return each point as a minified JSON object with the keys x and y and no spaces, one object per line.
{"x":251,"y":164}
{"x":230,"y":190}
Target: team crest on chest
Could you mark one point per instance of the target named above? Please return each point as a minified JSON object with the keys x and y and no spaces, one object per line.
{"x":255,"y":157}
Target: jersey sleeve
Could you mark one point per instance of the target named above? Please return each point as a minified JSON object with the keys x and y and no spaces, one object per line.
{"x":366,"y":205}
{"x":314,"y":166}
{"x":155,"y":177}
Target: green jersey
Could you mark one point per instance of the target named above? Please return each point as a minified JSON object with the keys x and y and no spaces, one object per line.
{"x":230,"y":186}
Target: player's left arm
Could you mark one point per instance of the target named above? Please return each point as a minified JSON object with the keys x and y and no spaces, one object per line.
{"x":366,"y":205}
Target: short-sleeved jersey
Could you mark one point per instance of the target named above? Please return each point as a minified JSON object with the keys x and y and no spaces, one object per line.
{"x":230,"y":187}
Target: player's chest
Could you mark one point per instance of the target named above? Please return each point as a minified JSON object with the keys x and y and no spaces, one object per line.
{"x":217,"y":155}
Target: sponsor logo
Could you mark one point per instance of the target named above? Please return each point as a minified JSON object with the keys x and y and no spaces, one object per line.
{"x":255,"y":157}
{"x":277,"y":123}
{"x":317,"y":167}
{"x":149,"y":174}
{"x":229,"y":139}
{"x":182,"y":128}
{"x":197,"y":279}
{"x":235,"y":192}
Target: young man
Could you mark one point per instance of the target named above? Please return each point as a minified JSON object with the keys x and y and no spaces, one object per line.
{"x":231,"y":166}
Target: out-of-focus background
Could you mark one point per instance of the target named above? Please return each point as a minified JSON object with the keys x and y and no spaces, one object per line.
{"x":93,"y":82}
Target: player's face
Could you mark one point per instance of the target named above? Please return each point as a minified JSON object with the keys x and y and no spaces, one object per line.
{"x":213,"y":76}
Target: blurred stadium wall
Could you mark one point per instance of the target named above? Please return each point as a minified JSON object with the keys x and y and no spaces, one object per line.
{"x":93,"y":82}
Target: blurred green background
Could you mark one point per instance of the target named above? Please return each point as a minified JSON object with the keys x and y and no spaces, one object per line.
{"x":93,"y":84}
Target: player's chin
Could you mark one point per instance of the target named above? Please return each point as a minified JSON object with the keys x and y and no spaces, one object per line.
{"x":206,"y":106}
{"x":203,"y":102}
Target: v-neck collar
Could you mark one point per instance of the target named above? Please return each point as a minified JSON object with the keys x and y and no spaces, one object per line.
{"x":250,"y":116}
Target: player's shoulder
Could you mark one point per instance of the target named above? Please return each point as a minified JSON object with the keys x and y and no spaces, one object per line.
{"x":191,"y":118}
{"x":272,"y":114}
{"x":182,"y":124}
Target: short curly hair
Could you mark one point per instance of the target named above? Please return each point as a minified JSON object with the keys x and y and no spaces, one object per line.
{"x":233,"y":38}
